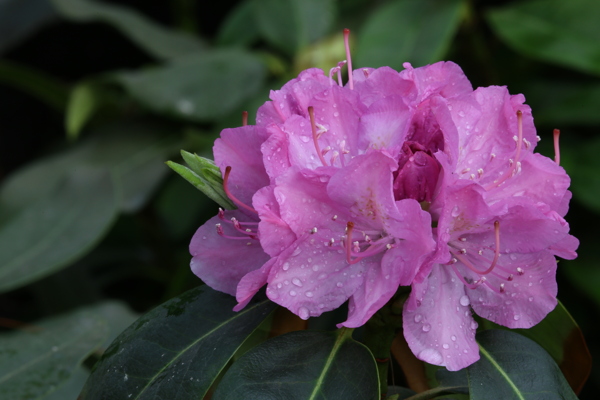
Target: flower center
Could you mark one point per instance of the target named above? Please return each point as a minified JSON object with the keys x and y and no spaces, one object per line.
{"x":417,"y":174}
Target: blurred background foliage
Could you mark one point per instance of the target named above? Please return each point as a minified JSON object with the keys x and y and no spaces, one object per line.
{"x":96,"y":96}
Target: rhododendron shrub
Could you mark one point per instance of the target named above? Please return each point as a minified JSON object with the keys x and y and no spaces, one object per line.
{"x":346,"y":193}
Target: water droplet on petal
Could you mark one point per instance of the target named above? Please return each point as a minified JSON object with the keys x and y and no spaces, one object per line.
{"x":308,"y":294}
{"x":474,"y":325}
{"x":293,"y":293}
{"x":339,"y":284}
{"x":516,"y":317}
{"x":446,"y":346}
{"x":453,"y":338}
{"x":464,"y":301}
{"x":297,"y":282}
{"x":426,"y":328}
{"x":431,"y":356}
{"x":285,"y":266}
{"x":303,"y":313}
{"x":418,"y":317}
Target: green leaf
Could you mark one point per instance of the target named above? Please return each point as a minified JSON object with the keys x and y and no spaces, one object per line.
{"x":239,"y":28}
{"x":35,"y":363}
{"x":515,"y":367}
{"x":35,"y":83}
{"x":303,"y":365}
{"x":556,"y":31}
{"x":83,"y":102}
{"x":177,"y":350}
{"x":290,"y":25}
{"x":205,"y":176}
{"x":158,"y":41}
{"x":580,"y":159}
{"x":198,"y":87}
{"x":415,"y":31}
{"x":561,"y":337}
{"x":60,"y":227}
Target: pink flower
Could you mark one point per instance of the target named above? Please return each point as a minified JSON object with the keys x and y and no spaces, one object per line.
{"x":404,"y":178}
{"x":499,"y":214}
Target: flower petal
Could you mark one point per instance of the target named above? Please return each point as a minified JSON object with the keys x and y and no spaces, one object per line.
{"x":222,"y":262}
{"x":441,"y":330}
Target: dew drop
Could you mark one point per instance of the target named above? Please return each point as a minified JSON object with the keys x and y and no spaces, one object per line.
{"x":464,"y":301}
{"x":431,"y":356}
{"x":426,"y":328}
{"x":297,"y":282}
{"x":309,"y":294}
{"x":315,"y":267}
{"x":303,"y":313}
{"x":453,"y":338}
{"x":516,"y":317}
{"x":339,"y":284}
{"x":474,"y":325}
{"x":293,"y":293}
{"x":418,"y":317}
{"x":285,"y":266}
{"x":530,"y":299}
{"x":446,"y":346}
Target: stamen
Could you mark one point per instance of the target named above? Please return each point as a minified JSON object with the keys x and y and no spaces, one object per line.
{"x":244,"y":118}
{"x":514,"y":164}
{"x":349,"y":228}
{"x":230,"y":195}
{"x":348,"y":57}
{"x":556,"y":147}
{"x":311,"y":113}
{"x":339,"y":72}
{"x":221,"y":233}
{"x":365,"y":72}
{"x":468,"y":264}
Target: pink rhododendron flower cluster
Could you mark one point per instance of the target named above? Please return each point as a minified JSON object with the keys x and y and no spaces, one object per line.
{"x":403,"y":178}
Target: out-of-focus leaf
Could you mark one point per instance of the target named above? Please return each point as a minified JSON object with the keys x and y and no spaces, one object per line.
{"x":582,"y":162}
{"x":20,"y":18}
{"x":561,"y":337}
{"x":415,"y":31}
{"x":60,"y":227}
{"x":35,"y":83}
{"x":134,"y":151}
{"x":303,"y":365}
{"x":239,"y":28}
{"x":35,"y":363}
{"x":158,"y":41}
{"x":515,"y":367}
{"x":324,"y":54}
{"x":83,"y":102}
{"x":177,"y":350}
{"x":72,"y":387}
{"x":292,"y":24}
{"x":557,"y":31}
{"x":564,"y":103}
{"x":199,"y":87}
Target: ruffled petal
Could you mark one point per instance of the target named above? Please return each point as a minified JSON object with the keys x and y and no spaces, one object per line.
{"x":441,"y":330}
{"x":222,"y":262}
{"x":311,"y":277}
{"x":525,"y":299}
{"x":275,"y":234}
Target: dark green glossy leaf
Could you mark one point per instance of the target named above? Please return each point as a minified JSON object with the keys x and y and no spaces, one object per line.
{"x":303,"y":365}
{"x":35,"y":363}
{"x":58,"y":228}
{"x":400,"y":31}
{"x":239,"y":28}
{"x":84,"y":101}
{"x":155,"y":39}
{"x":557,"y":31}
{"x":199,"y":87}
{"x":177,"y":350}
{"x":580,"y":159}
{"x":290,"y":25}
{"x":515,"y":367}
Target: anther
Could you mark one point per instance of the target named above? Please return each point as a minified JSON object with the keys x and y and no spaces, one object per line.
{"x":348,"y":57}
{"x":520,"y":271}
{"x":462,"y":239}
{"x":556,"y":147}
{"x":230,"y":195}
{"x":463,"y":251}
{"x":313,"y":230}
{"x":464,"y":171}
{"x":539,"y":138}
{"x":366,"y":72}
{"x":502,"y":288}
{"x":221,"y":213}
{"x":244,"y":118}
{"x":356,"y":246}
{"x":480,"y":172}
{"x":334,"y":217}
{"x":492,"y":156}
{"x":510,"y":277}
{"x":311,"y":114}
